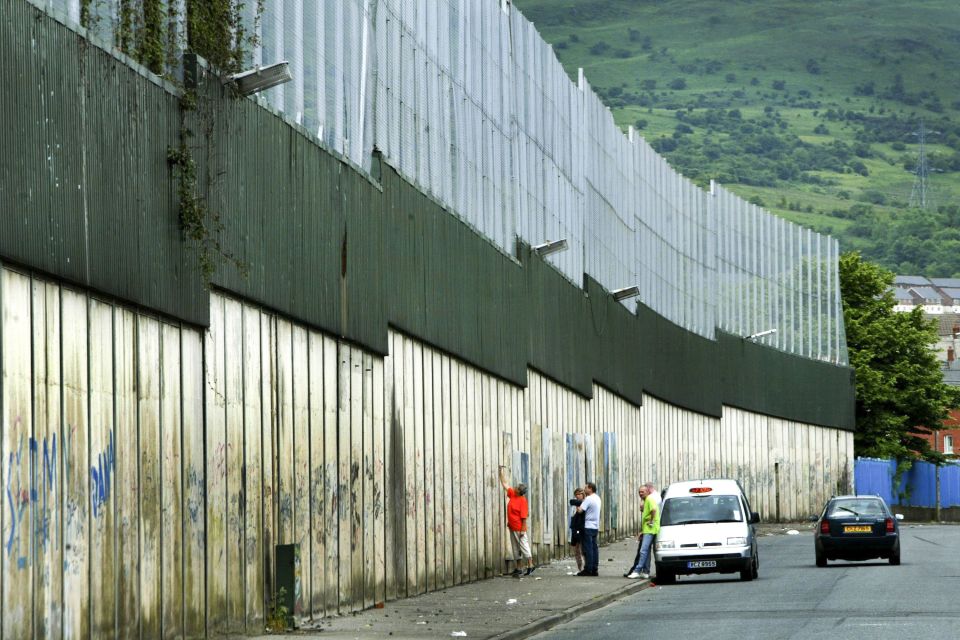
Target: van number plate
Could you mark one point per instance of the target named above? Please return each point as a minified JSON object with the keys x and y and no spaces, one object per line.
{"x":702,"y":564}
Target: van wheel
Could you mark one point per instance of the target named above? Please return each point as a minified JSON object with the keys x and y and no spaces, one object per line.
{"x":752,"y":571}
{"x":666,"y":577}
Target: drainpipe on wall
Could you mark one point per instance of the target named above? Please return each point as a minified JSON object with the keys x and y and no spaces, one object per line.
{"x":776,"y":475}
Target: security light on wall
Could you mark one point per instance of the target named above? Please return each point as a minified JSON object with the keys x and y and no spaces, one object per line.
{"x":626,"y":292}
{"x":553,"y":246}
{"x":260,"y":78}
{"x":760,"y":334}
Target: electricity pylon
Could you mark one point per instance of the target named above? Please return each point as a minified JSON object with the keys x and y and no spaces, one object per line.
{"x":922,"y":194}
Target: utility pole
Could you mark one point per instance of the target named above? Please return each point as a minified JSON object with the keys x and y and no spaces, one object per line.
{"x":937,"y":447}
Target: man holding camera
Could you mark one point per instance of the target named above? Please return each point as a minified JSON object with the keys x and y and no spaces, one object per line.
{"x":590,"y":507}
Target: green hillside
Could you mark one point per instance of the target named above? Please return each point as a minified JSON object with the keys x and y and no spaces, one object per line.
{"x":810,"y":108}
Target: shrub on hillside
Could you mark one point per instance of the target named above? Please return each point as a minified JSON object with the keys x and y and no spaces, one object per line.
{"x":599,"y":48}
{"x":712,"y":67}
{"x":664,"y":145}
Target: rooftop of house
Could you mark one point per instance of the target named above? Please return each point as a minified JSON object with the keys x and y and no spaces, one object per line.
{"x":927,"y":293}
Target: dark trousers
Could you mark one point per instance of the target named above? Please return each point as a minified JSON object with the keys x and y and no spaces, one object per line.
{"x":591,"y":553}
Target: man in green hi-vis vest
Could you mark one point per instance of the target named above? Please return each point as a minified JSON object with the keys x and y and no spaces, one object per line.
{"x":649,"y":528}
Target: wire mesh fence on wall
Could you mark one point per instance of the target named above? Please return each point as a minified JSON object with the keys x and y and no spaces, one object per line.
{"x":468,"y":102}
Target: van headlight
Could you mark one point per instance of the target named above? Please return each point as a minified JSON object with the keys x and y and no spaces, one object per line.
{"x":666,"y":544}
{"x":736,"y":542}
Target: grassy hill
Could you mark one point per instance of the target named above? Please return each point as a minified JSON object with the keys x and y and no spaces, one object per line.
{"x":808,"y":107}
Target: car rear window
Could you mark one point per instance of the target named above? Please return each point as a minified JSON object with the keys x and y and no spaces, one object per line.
{"x":853,"y":507}
{"x":699,"y":510}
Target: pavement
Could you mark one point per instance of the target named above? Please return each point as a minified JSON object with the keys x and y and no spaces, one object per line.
{"x":504,"y":607}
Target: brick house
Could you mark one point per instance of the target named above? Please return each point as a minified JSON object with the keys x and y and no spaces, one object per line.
{"x":947,"y":439}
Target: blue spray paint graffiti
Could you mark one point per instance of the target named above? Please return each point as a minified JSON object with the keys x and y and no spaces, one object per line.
{"x":20,"y":497}
{"x":40,"y":490}
{"x":101,"y":476}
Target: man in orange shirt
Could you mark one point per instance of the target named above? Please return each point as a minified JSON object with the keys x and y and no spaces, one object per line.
{"x":517,"y":513}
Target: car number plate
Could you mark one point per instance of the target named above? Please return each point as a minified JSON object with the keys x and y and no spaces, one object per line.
{"x":701,"y":564}
{"x":857,"y":528}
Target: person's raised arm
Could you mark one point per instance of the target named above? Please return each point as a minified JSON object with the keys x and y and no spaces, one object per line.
{"x":503,"y":478}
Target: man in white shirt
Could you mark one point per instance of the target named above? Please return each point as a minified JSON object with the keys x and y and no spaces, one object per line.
{"x":590,"y":507}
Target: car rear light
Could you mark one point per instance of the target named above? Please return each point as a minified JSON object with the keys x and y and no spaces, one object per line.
{"x":889,"y":525}
{"x":701,"y":489}
{"x":824,"y":528}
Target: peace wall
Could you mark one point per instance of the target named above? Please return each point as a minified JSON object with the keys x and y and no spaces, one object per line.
{"x":352,"y":389}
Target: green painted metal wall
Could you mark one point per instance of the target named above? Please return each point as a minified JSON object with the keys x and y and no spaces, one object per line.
{"x":757,"y":378}
{"x":85,"y":190}
{"x":324,"y":243}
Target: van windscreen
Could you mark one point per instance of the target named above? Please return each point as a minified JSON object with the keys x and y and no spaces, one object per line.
{"x":700,"y":509}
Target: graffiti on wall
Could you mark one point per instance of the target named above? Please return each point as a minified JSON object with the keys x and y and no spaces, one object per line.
{"x":36,"y":491}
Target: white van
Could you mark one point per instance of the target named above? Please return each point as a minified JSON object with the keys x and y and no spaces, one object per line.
{"x":706,"y":526}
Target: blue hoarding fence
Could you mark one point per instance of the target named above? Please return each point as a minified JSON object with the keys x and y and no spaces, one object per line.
{"x":917,"y":487}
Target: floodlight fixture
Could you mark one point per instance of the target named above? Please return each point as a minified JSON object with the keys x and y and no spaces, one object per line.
{"x":626,"y":292}
{"x":760,"y":334}
{"x":553,"y":246}
{"x":260,"y":78}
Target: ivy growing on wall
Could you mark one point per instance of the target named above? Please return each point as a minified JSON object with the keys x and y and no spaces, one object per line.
{"x":200,"y":225}
{"x":219,"y":32}
{"x":157,"y":34}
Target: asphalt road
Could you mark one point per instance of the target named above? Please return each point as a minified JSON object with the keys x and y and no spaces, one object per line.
{"x":795,"y":599}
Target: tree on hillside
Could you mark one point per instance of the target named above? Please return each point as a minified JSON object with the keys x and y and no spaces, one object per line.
{"x":900,"y":392}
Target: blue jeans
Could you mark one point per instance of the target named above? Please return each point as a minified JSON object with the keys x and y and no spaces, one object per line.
{"x":591,"y":553}
{"x":643,"y":561}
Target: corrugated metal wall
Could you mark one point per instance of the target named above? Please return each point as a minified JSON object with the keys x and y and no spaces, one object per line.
{"x":917,"y":487}
{"x":150,"y":469}
{"x":85,"y":190}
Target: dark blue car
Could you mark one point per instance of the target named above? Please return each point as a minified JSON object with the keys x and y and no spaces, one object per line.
{"x":857,"y":528}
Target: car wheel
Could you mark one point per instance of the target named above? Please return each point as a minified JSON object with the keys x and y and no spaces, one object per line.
{"x":821,"y":559}
{"x":756,"y":567}
{"x":895,"y":558}
{"x":666,"y":577}
{"x":749,"y":573}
